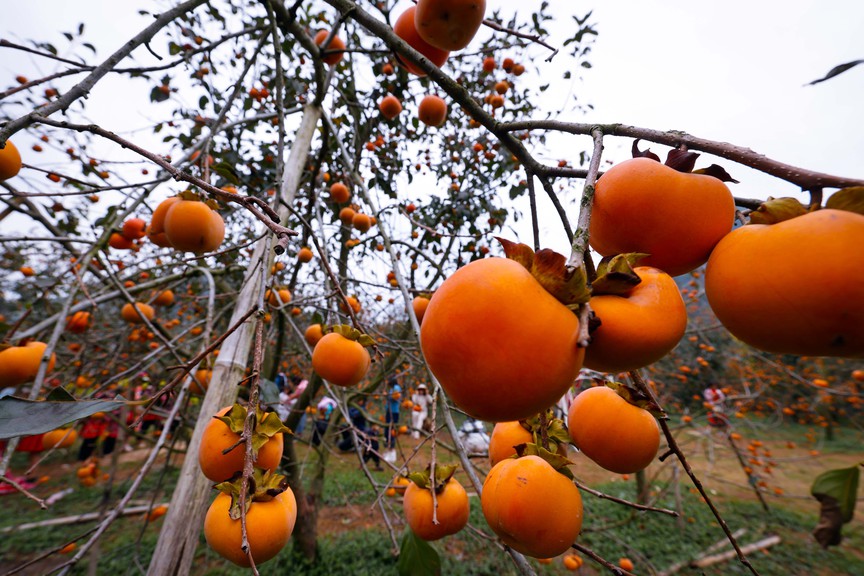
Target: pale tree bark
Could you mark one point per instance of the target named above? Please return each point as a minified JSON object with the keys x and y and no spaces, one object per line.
{"x":178,"y":539}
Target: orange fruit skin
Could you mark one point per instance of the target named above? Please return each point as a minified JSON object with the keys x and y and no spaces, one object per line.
{"x":340,"y":361}
{"x":268,"y":526}
{"x":133,"y":315}
{"x":452,"y":513}
{"x":793,"y":287}
{"x":613,"y":433}
{"x":637,"y":329}
{"x":641,"y":205}
{"x":19,"y":364}
{"x":339,"y":193}
{"x":390,"y":107}
{"x":502,"y":347}
{"x":59,"y":438}
{"x":305,"y":255}
{"x":78,"y":322}
{"x":217,"y":437}
{"x":361,"y":222}
{"x":406,"y":29}
{"x":10,"y":161}
{"x":533,"y":508}
{"x":165,"y":298}
{"x":335,"y":44}
{"x":432,"y":110}
{"x":119,"y":242}
{"x":449,"y":24}
{"x":201,"y":383}
{"x":273,"y":298}
{"x":192,"y":226}
{"x":134,"y":228}
{"x":156,"y":230}
{"x":420,"y":304}
{"x":506,"y":435}
{"x":313,"y":334}
{"x":626,"y":564}
{"x":346,"y":216}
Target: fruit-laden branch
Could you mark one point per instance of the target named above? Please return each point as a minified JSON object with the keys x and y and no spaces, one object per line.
{"x":82,"y":89}
{"x":617,"y":570}
{"x":250,"y":203}
{"x":459,"y":93}
{"x":287,"y":21}
{"x":806,"y":179}
{"x":532,"y":37}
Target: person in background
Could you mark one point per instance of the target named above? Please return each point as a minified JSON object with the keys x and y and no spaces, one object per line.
{"x":391,"y":417}
{"x":422,"y":400}
{"x":298,"y":386}
{"x":325,"y":408}
{"x":365,"y":435}
{"x":714,"y":399}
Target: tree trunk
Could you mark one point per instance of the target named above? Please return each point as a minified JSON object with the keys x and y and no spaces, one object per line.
{"x":178,"y":539}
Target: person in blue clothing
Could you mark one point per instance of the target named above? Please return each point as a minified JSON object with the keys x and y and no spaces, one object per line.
{"x":391,"y":412}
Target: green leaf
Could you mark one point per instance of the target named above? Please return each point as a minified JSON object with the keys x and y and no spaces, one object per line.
{"x":840,"y":484}
{"x":776,"y":210}
{"x":849,"y":199}
{"x":20,"y":417}
{"x":417,"y":557}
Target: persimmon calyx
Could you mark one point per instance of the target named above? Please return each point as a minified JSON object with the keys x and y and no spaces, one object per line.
{"x":849,"y":199}
{"x":443,"y":474}
{"x":267,"y":424}
{"x":192,"y":196}
{"x":775,"y":210}
{"x":560,"y":463}
{"x":556,"y":431}
{"x":615,"y":274}
{"x":636,"y":398}
{"x":683,"y":160}
{"x":351,"y":333}
{"x":264,"y":485}
{"x":568,"y":286}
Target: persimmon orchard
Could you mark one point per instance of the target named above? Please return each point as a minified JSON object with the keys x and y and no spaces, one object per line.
{"x":326,"y":260}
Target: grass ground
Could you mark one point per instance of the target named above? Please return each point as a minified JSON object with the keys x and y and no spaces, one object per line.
{"x":354,"y":541}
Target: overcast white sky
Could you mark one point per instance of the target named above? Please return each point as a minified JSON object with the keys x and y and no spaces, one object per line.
{"x":731,"y":71}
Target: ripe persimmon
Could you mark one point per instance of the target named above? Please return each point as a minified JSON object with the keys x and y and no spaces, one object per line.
{"x":335,"y":49}
{"x":639,"y":327}
{"x":489,"y":64}
{"x":134,"y":229}
{"x":277,"y":298}
{"x":339,"y":193}
{"x":156,"y":229}
{"x":340,"y":361}
{"x":313,"y":334}
{"x":432,"y":110}
{"x":406,"y":29}
{"x":19,"y":364}
{"x":134,"y":315}
{"x":361,"y":222}
{"x":269,"y":525}
{"x":346,"y":216}
{"x":449,"y":24}
{"x":641,"y":205}
{"x":419,"y":304}
{"x":390,"y":107}
{"x":59,"y":438}
{"x":792,"y":287}
{"x":504,"y":439}
{"x":164,"y":298}
{"x":532,"y":507}
{"x":452,"y":512}
{"x":218,"y":436}
{"x":10,"y":161}
{"x":192,"y":226}
{"x":502,"y":347}
{"x":615,"y":434}
{"x":201,"y":382}
{"x":119,"y":242}
{"x":305,"y":255}
{"x":78,"y":322}
{"x":27,"y":271}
